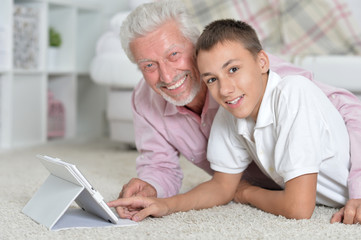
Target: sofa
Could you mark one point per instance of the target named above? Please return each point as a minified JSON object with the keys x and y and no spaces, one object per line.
{"x":328,"y":44}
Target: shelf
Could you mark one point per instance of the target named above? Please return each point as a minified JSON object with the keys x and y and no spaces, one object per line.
{"x":5,"y":110}
{"x":28,"y":109}
{"x":63,"y":87}
{"x":28,"y":39}
{"x":26,"y":74}
{"x":93,"y":5}
{"x":5,"y":35}
{"x":63,"y":20}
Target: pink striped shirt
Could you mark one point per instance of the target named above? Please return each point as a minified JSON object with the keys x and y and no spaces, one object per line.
{"x":163,"y":132}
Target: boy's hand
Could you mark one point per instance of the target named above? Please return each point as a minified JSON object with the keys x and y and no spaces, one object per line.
{"x":239,"y":195}
{"x":349,"y":214}
{"x":138,"y":208}
{"x":135,"y":187}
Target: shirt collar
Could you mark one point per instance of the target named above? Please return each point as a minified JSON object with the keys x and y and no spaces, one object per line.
{"x":265,"y":113}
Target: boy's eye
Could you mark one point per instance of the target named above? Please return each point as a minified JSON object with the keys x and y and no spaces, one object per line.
{"x":233,"y":69}
{"x":211,"y":80}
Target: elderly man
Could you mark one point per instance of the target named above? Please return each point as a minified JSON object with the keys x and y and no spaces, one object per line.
{"x":173,"y":111}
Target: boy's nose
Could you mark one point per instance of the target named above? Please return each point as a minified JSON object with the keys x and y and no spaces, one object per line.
{"x":226,"y":87}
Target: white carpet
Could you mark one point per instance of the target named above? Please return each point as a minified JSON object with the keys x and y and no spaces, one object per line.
{"x":108,"y":167}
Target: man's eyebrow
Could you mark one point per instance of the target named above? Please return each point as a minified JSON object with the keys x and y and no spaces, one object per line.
{"x":144,"y":60}
{"x":173,"y":46}
{"x":165,"y":52}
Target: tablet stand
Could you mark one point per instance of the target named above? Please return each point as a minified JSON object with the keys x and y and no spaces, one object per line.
{"x":51,"y":201}
{"x":50,"y":204}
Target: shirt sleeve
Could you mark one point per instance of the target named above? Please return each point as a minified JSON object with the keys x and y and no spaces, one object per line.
{"x":303,"y":138}
{"x":349,"y":106}
{"x":225,"y":150}
{"x":158,"y":162}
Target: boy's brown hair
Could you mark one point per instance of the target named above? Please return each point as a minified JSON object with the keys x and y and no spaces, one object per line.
{"x":221,"y":31}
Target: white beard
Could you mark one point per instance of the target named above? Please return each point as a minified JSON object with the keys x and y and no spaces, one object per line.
{"x":189,"y":99}
{"x":193,"y":93}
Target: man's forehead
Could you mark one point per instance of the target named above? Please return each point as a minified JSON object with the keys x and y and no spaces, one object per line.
{"x":174,"y":47}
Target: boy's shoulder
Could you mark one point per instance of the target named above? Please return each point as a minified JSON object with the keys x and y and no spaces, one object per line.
{"x":295,"y":83}
{"x":295,"y":90}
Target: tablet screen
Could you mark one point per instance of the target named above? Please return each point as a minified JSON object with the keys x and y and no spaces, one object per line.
{"x":89,"y":199}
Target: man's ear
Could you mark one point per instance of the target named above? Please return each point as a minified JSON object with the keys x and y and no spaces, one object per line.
{"x":263,"y":61}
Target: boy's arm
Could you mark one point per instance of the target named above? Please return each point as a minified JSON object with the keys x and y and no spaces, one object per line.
{"x":297,"y":200}
{"x":217,"y":191}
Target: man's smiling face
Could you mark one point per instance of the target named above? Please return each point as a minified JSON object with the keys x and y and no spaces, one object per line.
{"x":167,"y":62}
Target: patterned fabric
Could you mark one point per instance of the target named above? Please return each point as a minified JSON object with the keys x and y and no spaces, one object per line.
{"x":288,"y":27}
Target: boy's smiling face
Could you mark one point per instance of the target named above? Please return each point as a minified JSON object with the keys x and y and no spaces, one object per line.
{"x":235,"y":78}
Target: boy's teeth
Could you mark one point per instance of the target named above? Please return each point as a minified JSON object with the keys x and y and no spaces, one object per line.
{"x":177,"y":85}
{"x":234,"y":101}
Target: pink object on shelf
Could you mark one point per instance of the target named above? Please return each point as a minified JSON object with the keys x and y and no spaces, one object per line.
{"x":56,"y":117}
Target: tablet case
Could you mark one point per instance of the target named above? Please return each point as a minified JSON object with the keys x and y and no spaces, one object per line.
{"x":54,"y":197}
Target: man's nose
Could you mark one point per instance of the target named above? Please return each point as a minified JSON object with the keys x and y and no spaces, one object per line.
{"x":167,"y":73}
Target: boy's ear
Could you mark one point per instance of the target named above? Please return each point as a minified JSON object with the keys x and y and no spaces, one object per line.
{"x":263,"y":61}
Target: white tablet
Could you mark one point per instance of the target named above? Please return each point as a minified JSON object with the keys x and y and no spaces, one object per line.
{"x":89,"y":199}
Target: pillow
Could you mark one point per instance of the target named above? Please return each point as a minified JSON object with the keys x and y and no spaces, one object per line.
{"x":288,"y":27}
{"x":260,"y":14}
{"x":318,"y":28}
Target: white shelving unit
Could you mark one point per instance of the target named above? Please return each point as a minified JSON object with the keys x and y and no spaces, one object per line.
{"x":24,"y":87}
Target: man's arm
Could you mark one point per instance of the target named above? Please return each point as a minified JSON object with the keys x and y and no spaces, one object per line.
{"x":158,"y":162}
{"x":137,"y":187}
{"x":349,"y":214}
{"x":297,"y":200}
{"x":349,"y":106}
{"x":158,"y":169}
{"x":217,"y":191}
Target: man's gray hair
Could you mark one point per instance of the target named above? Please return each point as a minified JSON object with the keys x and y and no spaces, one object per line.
{"x":149,"y":17}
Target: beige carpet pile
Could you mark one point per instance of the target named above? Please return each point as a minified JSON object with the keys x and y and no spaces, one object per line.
{"x":108,"y":166}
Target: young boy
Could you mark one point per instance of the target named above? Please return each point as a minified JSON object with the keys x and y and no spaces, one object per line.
{"x":288,"y":126}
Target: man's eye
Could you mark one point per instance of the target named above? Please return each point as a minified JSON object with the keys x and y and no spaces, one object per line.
{"x":174,"y":56}
{"x":234,"y":69}
{"x":149,"y":67}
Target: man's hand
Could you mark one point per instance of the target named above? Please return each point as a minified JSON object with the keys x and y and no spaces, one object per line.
{"x":349,"y":214}
{"x":135,"y":187}
{"x":138,"y":208}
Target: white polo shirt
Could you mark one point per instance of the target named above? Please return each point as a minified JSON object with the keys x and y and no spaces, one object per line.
{"x":298,"y":131}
